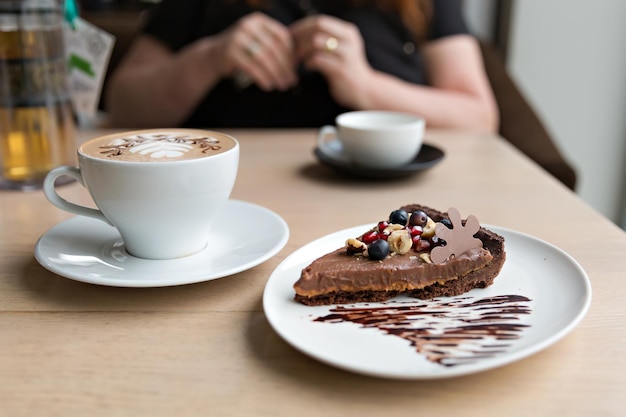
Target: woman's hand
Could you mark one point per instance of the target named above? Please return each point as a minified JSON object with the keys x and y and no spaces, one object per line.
{"x":334,"y":48}
{"x":257,"y":49}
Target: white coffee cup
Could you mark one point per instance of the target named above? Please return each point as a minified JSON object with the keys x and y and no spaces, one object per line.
{"x":161,"y":188}
{"x":373,"y":139}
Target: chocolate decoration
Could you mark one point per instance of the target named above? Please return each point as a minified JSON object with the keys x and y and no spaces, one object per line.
{"x":459,"y":239}
{"x":451,"y":331}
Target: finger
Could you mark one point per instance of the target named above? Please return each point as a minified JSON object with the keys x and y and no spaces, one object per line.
{"x":267,"y":66}
{"x":267,"y":72}
{"x":326,"y":63}
{"x":258,"y":73}
{"x":277,"y":56}
{"x":305,"y":28}
{"x":268,"y":52}
{"x":279,"y":33}
{"x":242,"y":50}
{"x":321,"y":33}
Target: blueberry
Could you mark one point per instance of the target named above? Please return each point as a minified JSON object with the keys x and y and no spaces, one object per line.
{"x":418,"y":218}
{"x":378,"y":250}
{"x":399,"y":217}
{"x":447,"y":223}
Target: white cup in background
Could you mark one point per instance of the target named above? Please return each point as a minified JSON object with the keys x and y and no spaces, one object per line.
{"x":373,"y":139}
{"x":162,"y":189}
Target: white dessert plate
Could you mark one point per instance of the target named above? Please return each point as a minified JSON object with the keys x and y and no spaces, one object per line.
{"x":88,"y":250}
{"x":540,"y":295}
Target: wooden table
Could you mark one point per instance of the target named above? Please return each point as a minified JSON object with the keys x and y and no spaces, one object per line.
{"x":74,"y":349}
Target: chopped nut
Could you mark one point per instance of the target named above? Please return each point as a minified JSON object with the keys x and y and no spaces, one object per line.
{"x":354,"y":246}
{"x":426,"y":257}
{"x":400,"y":241}
{"x":429,"y":229}
{"x":392,"y":228}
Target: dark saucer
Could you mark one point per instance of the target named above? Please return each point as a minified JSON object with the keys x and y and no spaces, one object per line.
{"x":427,"y":157}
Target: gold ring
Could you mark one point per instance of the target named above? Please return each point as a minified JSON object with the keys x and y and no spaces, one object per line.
{"x":253,"y":48}
{"x":331,"y":44}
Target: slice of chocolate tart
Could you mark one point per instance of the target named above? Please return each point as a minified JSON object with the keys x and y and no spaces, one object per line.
{"x":418,"y":251}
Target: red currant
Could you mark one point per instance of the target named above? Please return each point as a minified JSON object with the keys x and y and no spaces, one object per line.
{"x":416,"y":230}
{"x":369,"y":237}
{"x":421,"y":245}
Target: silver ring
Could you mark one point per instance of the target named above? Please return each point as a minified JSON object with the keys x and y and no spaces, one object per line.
{"x":253,"y":48}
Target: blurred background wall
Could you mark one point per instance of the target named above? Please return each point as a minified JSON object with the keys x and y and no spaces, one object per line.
{"x":569,"y":59}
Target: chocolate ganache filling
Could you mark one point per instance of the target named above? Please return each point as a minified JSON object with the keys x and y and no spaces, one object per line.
{"x":339,"y":271}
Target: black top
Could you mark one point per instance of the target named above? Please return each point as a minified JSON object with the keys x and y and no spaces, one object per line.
{"x":389,"y":46}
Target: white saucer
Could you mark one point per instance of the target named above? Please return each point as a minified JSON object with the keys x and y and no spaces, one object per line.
{"x":540,"y":295}
{"x":88,"y":250}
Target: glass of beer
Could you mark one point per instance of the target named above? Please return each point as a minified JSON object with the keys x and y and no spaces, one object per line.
{"x":36,"y":118}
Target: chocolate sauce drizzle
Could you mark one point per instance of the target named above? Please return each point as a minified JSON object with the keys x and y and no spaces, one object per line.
{"x":206,"y":143}
{"x":452,"y":331}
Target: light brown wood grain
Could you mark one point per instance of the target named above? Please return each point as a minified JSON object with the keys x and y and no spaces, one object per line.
{"x":74,"y":349}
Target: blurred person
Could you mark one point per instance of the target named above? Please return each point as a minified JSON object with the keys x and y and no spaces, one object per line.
{"x":300,"y":63}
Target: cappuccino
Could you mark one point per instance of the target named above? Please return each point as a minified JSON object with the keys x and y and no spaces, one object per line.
{"x":141,"y":182}
{"x":158,"y":145}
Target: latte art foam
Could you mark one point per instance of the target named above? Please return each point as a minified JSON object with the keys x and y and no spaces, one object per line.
{"x":158,"y":146}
